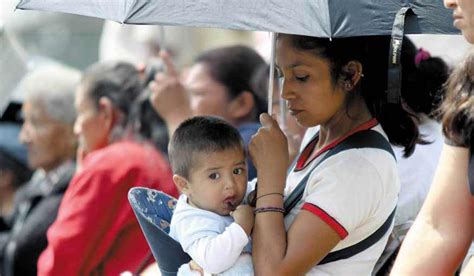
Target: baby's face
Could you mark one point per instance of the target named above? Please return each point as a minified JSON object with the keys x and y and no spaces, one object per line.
{"x":218,"y":181}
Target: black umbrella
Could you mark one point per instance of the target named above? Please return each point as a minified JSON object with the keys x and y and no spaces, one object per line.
{"x":321,"y":18}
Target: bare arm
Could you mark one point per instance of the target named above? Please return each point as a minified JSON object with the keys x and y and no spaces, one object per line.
{"x":309,"y":239}
{"x":442,"y":232}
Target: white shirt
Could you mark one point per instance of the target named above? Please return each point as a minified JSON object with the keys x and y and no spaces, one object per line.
{"x":416,"y":175}
{"x":354,"y":192}
{"x":213,"y":241}
{"x":417,"y":171}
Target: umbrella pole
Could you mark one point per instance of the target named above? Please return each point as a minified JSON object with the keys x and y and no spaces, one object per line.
{"x":162,"y":38}
{"x":271,"y":76}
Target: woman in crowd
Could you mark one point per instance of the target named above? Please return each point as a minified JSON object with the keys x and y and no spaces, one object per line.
{"x":218,"y":83}
{"x":339,"y":85}
{"x":96,"y":231}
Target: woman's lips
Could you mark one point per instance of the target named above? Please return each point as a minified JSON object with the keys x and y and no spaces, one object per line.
{"x":294,"y":112}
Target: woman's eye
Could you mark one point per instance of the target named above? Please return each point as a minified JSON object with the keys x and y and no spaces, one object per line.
{"x":238,"y":171}
{"x":302,"y":78}
{"x":214,"y":176}
{"x":196,"y":93}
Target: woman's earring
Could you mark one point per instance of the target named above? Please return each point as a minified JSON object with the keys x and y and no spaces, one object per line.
{"x":348,"y":85}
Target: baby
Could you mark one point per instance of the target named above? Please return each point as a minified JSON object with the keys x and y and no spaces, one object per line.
{"x":208,"y":161}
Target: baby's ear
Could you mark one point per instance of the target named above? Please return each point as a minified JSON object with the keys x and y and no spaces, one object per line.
{"x":181,"y":183}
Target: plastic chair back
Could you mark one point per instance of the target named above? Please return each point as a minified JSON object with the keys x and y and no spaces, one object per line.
{"x":154,"y":210}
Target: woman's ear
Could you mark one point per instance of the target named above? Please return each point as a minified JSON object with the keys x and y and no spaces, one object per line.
{"x":182,"y":184}
{"x":351,"y":75}
{"x":242,"y":106}
{"x":107,"y":111}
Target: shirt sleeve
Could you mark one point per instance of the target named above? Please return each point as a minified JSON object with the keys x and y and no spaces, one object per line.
{"x":90,"y":218}
{"x":344,"y":192}
{"x":216,"y":254}
{"x":205,"y":237}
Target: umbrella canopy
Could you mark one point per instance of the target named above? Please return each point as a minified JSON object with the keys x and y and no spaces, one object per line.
{"x":321,"y":18}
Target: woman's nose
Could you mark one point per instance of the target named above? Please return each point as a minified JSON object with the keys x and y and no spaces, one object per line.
{"x":286,"y":92}
{"x":450,"y":4}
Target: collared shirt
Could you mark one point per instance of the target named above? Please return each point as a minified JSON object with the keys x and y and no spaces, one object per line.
{"x":47,"y":180}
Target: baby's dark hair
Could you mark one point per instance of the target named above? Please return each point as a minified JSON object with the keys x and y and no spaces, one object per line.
{"x":201,"y":134}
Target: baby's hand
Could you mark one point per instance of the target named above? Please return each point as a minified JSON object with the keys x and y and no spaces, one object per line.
{"x":243,"y":215}
{"x":193,"y":266}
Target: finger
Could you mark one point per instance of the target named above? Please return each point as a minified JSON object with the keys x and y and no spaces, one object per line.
{"x":169,"y":63}
{"x":266,"y":120}
{"x":141,"y":68}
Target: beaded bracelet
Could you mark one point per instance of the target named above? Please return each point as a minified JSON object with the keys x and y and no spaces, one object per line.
{"x":268,"y":195}
{"x":269,"y":209}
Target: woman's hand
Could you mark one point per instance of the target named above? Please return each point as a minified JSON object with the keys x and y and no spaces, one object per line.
{"x":168,"y":96}
{"x":269,"y":150}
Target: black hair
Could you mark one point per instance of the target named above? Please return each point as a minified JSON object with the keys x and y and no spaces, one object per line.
{"x":120,"y":82}
{"x":259,"y":82}
{"x":422,"y":83}
{"x":372,"y":52}
{"x":22,"y":173}
{"x":201,"y":134}
{"x":147,"y":123}
{"x":234,"y":67}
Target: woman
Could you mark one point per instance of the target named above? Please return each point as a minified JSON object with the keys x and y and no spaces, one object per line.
{"x":218,"y":83}
{"x":96,"y":231}
{"x":339,"y":85}
{"x":438,"y":240}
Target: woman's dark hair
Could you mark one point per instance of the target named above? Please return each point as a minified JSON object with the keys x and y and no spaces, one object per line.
{"x":423,"y":79}
{"x":259,"y":82}
{"x":120,"y":82}
{"x":234,"y":67}
{"x":458,"y":107}
{"x":372,"y":52}
{"x":145,"y":121}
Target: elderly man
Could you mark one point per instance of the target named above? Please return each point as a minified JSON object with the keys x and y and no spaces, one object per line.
{"x":48,"y":134}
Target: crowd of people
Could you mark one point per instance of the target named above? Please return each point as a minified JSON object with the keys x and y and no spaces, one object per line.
{"x":341,"y":181}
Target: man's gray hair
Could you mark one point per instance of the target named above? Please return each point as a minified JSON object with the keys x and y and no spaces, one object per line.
{"x":53,"y":86}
